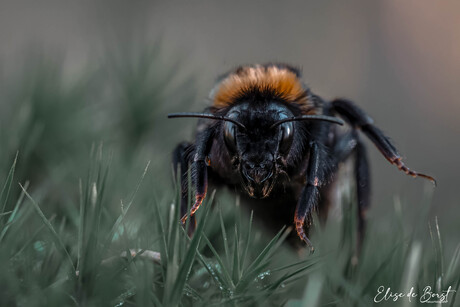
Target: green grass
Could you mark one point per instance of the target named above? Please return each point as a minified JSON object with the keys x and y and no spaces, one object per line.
{"x":89,"y":213}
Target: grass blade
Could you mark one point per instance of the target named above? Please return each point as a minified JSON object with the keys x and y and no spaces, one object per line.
{"x":220,"y":282}
{"x":6,"y":213}
{"x":57,"y":240}
{"x":81,"y":226}
{"x":259,"y":263}
{"x":224,"y":235}
{"x":313,"y":290}
{"x":412,"y":269}
{"x":7,"y":186}
{"x":226,"y":274}
{"x":12,"y":217}
{"x":248,"y":240}
{"x":186,"y":264}
{"x":125,"y":211}
{"x":454,"y":267}
{"x":287,"y":276}
{"x":236,"y":260}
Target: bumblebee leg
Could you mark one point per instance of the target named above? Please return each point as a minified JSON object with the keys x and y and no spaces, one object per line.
{"x":359,"y":119}
{"x":181,"y":158}
{"x":363,"y":183}
{"x":309,"y":197}
{"x":199,"y":169}
{"x":201,"y":187}
{"x":347,"y":145}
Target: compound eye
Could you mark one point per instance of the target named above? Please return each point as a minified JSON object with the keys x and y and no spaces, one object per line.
{"x":287,"y":135}
{"x":229,"y":136}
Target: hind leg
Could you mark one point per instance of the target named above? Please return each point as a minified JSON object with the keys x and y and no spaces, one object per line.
{"x":358,"y":119}
{"x":363,"y":185}
{"x":349,"y":145}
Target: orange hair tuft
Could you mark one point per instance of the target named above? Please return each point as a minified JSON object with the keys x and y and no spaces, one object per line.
{"x":281,"y":82}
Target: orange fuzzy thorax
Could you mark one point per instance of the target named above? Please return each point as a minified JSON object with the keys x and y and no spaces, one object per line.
{"x":281,"y":82}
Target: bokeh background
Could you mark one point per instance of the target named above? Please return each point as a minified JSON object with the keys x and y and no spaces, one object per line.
{"x":77,"y":74}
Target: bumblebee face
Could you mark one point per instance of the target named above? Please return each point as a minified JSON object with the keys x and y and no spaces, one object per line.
{"x":260,"y":148}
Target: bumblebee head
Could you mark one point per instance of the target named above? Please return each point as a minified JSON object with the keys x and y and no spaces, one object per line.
{"x":259,"y":149}
{"x":258,"y":139}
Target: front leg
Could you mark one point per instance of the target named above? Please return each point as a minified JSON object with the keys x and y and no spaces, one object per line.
{"x":201,"y":185}
{"x":199,"y":169}
{"x":310,"y":193}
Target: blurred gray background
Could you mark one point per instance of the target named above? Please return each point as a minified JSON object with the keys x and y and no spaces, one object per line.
{"x":399,"y":60}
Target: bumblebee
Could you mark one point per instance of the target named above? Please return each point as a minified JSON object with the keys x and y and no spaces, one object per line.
{"x":270,"y":138}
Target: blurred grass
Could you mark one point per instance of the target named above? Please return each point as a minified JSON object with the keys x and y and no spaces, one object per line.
{"x":91,"y":152}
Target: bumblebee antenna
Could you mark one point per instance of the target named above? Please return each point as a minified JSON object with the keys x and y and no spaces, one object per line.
{"x":207,"y":115}
{"x":326,"y":118}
